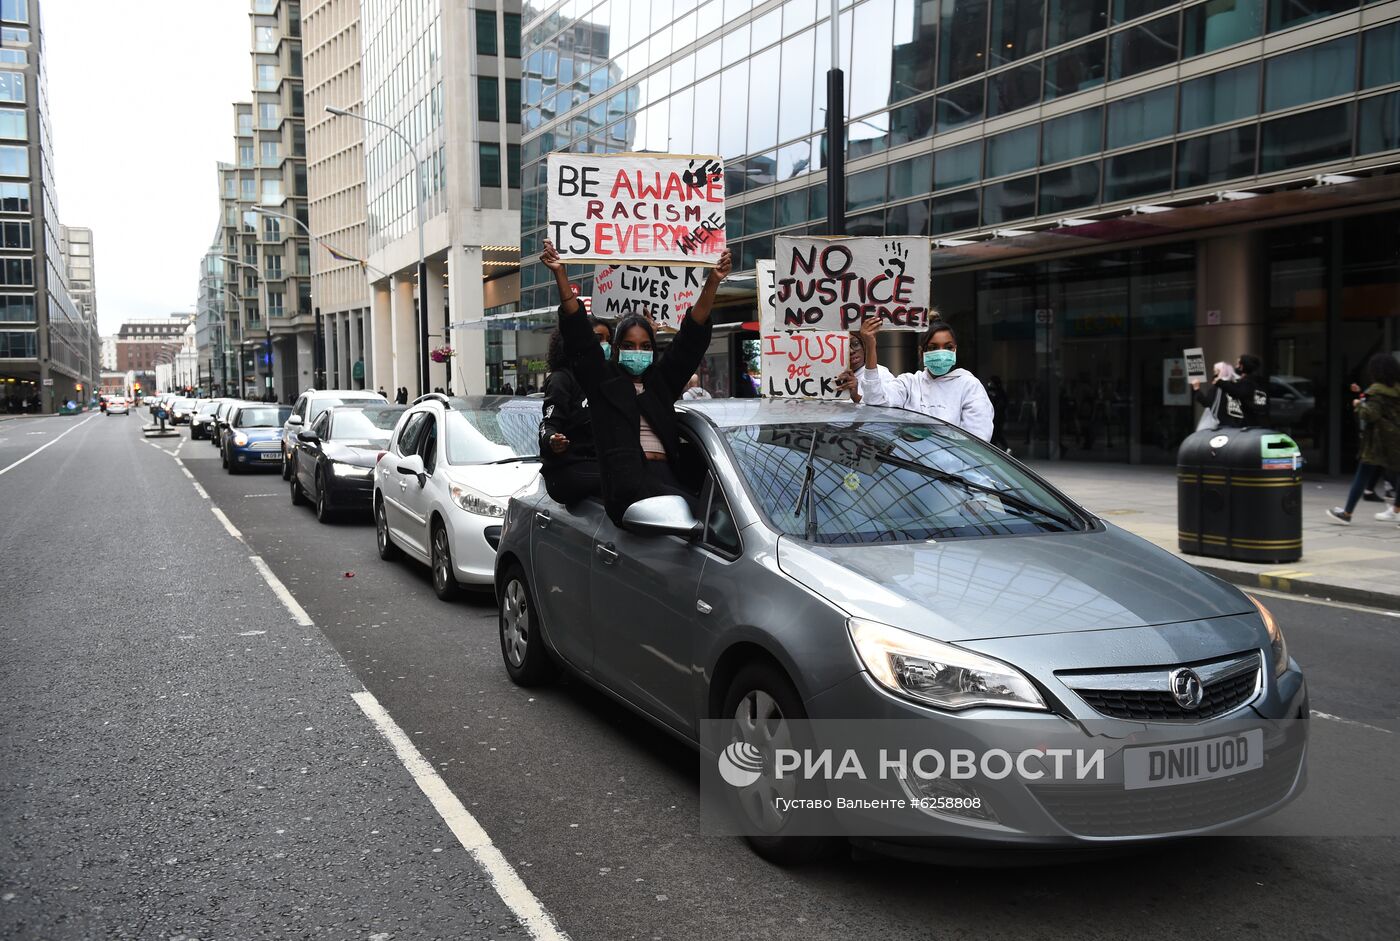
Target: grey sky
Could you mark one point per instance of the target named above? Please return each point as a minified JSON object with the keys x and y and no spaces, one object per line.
{"x":141,"y":108}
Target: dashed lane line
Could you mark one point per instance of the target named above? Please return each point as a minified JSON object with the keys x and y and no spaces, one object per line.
{"x":473,"y":837}
{"x":280,"y":590}
{"x":46,"y":444}
{"x":232,"y":529}
{"x":1361,"y":725}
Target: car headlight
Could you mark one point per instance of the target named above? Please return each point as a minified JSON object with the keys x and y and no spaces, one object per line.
{"x":1278,"y":647}
{"x":240,"y":439}
{"x":477,"y":503}
{"x":350,"y":470}
{"x":939,"y":674}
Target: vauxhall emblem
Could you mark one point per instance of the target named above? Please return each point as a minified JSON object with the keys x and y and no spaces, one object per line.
{"x":1186,"y":688}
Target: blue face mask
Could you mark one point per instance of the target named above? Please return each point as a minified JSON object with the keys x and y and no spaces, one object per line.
{"x":939,"y":362}
{"x":634,"y":361}
{"x":607,"y":348}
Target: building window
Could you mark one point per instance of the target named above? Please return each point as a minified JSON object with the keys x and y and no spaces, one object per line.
{"x":276,"y":304}
{"x":1013,"y":151}
{"x":1069,"y":188}
{"x":1220,"y":97}
{"x":960,"y":106}
{"x":490,"y":157}
{"x":962,"y":40}
{"x":18,"y":344}
{"x":268,"y":115}
{"x":17,"y":308}
{"x":264,"y":39}
{"x":1072,"y":135}
{"x":863,"y":190}
{"x":487,"y":106}
{"x":245,"y":158}
{"x":486,"y":32}
{"x":1214,"y":158}
{"x":14,"y":124}
{"x":14,"y":57}
{"x":1216,"y":24}
{"x":1379,"y":125}
{"x":1381,"y":56}
{"x":1310,"y":74}
{"x":513,"y":100}
{"x":247,"y":189}
{"x":1016,"y":29}
{"x":245,"y":124}
{"x":1008,"y":201}
{"x":14,"y":11}
{"x":1303,"y":139}
{"x":271,"y":191}
{"x":14,"y":161}
{"x":1069,"y":20}
{"x":512,"y":25}
{"x":1142,"y":48}
{"x":17,"y":235}
{"x":17,"y":272}
{"x":11,"y":86}
{"x":513,"y":166}
{"x":271,"y":153}
{"x":1141,"y":118}
{"x":1140,"y":173}
{"x":1292,"y":12}
{"x":958,"y":166}
{"x":267,"y":78}
{"x":1013,"y":89}
{"x":1074,"y":69}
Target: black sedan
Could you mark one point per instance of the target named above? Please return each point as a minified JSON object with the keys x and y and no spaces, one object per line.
{"x":333,"y":462}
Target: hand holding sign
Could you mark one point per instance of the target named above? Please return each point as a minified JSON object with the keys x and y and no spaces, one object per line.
{"x":550,"y":257}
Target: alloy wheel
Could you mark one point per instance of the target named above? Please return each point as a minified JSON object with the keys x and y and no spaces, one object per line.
{"x":515,"y":622}
{"x":760,"y":723}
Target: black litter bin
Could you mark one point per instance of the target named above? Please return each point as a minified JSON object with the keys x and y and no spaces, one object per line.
{"x":1240,"y":495}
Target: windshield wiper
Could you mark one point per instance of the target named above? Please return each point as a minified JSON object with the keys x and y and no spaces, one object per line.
{"x":1020,"y":503}
{"x":512,"y":460}
{"x":805,"y":494}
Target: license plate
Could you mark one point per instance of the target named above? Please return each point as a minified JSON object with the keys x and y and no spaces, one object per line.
{"x":270,"y":456}
{"x":1187,"y":762}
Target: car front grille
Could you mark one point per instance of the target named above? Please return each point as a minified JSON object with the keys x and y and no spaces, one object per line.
{"x":1108,"y":810}
{"x":264,"y":446}
{"x":1146,"y":696}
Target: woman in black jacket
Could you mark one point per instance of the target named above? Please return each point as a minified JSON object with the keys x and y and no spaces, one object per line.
{"x":632,"y":394}
{"x":566,"y":433}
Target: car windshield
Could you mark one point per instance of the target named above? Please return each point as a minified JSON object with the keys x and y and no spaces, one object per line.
{"x":369,"y":428}
{"x":890,"y":481}
{"x":476,"y":436}
{"x":271,"y":416}
{"x":183,"y":403}
{"x":320,"y":405}
{"x":209,"y":408}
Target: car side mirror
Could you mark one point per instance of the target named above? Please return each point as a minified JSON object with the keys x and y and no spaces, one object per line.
{"x":294,"y":421}
{"x":662,"y":516}
{"x":413,"y":465}
{"x":308,"y":437}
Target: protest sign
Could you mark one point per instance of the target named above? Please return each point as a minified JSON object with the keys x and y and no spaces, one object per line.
{"x":767,"y":295}
{"x":666,"y":292}
{"x":834,"y":284}
{"x":644,"y":208}
{"x":803,"y":363}
{"x":1195,"y":364}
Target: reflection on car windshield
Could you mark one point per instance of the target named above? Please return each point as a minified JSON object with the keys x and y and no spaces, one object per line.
{"x":475,"y":436}
{"x":320,"y":405}
{"x":371,"y":427}
{"x":270,"y":417}
{"x":887,"y":481}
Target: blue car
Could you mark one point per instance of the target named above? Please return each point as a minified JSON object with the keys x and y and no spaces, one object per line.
{"x":254,"y":437}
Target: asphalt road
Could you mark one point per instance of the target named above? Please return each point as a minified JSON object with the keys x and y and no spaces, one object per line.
{"x":596,"y":811}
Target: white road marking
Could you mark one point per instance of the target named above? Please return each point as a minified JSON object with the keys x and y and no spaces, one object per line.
{"x":1360,"y":725}
{"x":232,"y":529}
{"x":198,"y":489}
{"x":176,"y":452}
{"x":280,"y":590}
{"x":45,"y":445}
{"x":1326,"y":602}
{"x":474,"y":839}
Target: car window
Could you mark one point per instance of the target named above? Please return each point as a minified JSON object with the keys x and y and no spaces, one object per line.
{"x":408,"y":438}
{"x":322,"y":425}
{"x":475,"y":436}
{"x":890,"y":481}
{"x":262,"y":416}
{"x":301,"y":406}
{"x":368,"y":428}
{"x":427,"y":449}
{"x":721,"y":533}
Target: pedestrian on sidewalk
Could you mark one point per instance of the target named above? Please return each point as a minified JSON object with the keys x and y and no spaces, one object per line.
{"x":938,"y":390}
{"x":1378,"y":413}
{"x":1213,"y":399}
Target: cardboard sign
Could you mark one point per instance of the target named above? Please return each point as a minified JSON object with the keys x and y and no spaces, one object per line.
{"x":644,"y":208}
{"x":834,"y":284}
{"x":767,"y":295}
{"x":1195,"y":364}
{"x":803,"y":364}
{"x":666,"y":292}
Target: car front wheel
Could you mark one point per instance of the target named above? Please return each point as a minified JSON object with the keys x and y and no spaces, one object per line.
{"x":298,"y":495}
{"x":444,"y":578}
{"x":387,"y":550}
{"x":522,"y":647}
{"x":766,"y":714}
{"x":286,"y":466}
{"x":324,"y":513}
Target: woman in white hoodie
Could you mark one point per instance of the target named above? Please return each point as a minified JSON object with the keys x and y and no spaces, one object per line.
{"x":939,"y":389}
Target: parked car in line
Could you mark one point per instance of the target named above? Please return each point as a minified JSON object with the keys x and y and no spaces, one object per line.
{"x":181,"y":410}
{"x":440,"y":491}
{"x":202,"y":421}
{"x":309,"y":406}
{"x":116,"y":405}
{"x":333,"y":461}
{"x":842,"y":562}
{"x":253,"y":436}
{"x":1292,"y":400}
{"x":219,"y":425}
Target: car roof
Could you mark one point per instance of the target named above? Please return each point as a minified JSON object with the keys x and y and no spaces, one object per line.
{"x":733,"y":413}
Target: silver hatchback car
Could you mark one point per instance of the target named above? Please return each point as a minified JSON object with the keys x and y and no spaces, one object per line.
{"x":835,"y":563}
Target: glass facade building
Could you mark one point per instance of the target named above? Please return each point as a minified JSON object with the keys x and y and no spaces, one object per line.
{"x":1146,"y":175}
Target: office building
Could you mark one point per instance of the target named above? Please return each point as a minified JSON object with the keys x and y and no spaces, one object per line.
{"x":48,"y":342}
{"x":217,"y":369}
{"x":445,"y":76}
{"x":144,"y":343}
{"x":1104,"y":182}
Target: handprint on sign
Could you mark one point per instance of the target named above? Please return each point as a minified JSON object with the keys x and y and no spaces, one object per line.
{"x":895,"y":255}
{"x":704,"y":173}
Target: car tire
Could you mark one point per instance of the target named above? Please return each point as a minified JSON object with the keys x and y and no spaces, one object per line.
{"x":523,"y":649}
{"x":324,"y":513}
{"x":298,"y":495}
{"x":232,"y":465}
{"x":223,"y":458}
{"x":440,"y":554}
{"x":761,"y":701}
{"x":387,"y":550}
{"x":286,"y":466}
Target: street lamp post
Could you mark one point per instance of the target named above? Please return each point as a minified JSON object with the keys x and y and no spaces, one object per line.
{"x":422,"y":253}
{"x":835,"y":132}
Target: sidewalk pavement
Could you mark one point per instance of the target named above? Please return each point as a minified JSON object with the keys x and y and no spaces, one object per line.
{"x":1359,"y":563}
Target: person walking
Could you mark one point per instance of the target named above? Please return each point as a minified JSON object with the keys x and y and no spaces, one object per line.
{"x":1378,"y":413}
{"x":382,"y":395}
{"x":938,"y":390}
{"x":401,"y":396}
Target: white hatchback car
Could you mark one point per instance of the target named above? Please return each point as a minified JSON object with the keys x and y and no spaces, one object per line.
{"x":309,"y":406}
{"x":440,"y":491}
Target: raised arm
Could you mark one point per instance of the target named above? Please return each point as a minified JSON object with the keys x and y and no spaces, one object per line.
{"x":701,"y":310}
{"x":687,"y":351}
{"x":568,"y":303}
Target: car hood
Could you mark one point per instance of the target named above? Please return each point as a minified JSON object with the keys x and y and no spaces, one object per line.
{"x":495,"y":480}
{"x":349,"y":454}
{"x":973,"y":589}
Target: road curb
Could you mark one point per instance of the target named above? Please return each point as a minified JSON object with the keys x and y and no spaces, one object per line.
{"x":1304,"y":586}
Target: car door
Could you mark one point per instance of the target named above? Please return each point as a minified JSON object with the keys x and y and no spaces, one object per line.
{"x":416,"y":496}
{"x":561,"y":556}
{"x":306,"y":455}
{"x":392,"y":485}
{"x":645,"y":590}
